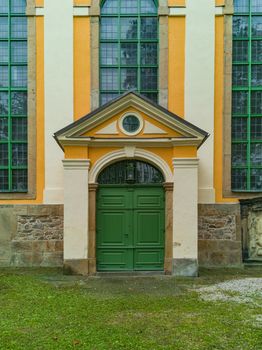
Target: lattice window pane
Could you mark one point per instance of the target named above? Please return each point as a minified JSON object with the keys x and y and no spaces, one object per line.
{"x":240,"y":51}
{"x":19,"y":180}
{"x":19,"y":103}
{"x":257,"y":50}
{"x":129,"y":54}
{"x":240,"y":75}
{"x":239,"y":154}
{"x":4,"y":6}
{"x":109,"y":79}
{"x":19,"y":129}
{"x":19,"y":27}
{"x":256,"y":179}
{"x":148,"y":54}
{"x":241,"y":6}
{"x":151,"y":96}
{"x":148,"y":78}
{"x":129,"y":7}
{"x":240,"y":27}
{"x":256,"y":75}
{"x":3,"y":129}
{"x":256,"y":6}
{"x":109,"y":28}
{"x":4,"y":180}
{"x":109,"y":54}
{"x":256,"y":154}
{"x":256,"y":128}
{"x":19,"y":52}
{"x":256,"y":26}
{"x":4,"y":52}
{"x":18,"y":6}
{"x":128,"y":78}
{"x":128,"y":28}
{"x":239,"y":103}
{"x":19,"y":76}
{"x":3,"y":154}
{"x":239,"y":128}
{"x":106,"y":97}
{"x":148,"y":6}
{"x":149,"y":28}
{"x":110,"y":7}
{"x":239,"y":179}
{"x":256,"y":102}
{"x":3,"y":103}
{"x":19,"y":154}
{"x":3,"y":76}
{"x":4,"y":27}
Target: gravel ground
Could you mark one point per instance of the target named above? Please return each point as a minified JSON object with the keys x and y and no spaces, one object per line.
{"x":247,"y":290}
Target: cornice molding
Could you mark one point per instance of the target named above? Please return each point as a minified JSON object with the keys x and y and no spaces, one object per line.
{"x":76,"y":164}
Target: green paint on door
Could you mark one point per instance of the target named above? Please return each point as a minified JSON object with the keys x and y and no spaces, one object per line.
{"x":130,"y":228}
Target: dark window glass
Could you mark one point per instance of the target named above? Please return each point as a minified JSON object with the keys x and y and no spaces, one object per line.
{"x":240,"y":27}
{"x":239,"y":154}
{"x":239,"y":103}
{"x":3,"y":129}
{"x":128,"y":42}
{"x":131,"y":123}
{"x":240,"y":75}
{"x":256,"y":128}
{"x":239,"y":179}
{"x":3,"y":103}
{"x":4,"y":52}
{"x":19,"y":129}
{"x":256,"y":50}
{"x":256,"y":180}
{"x":4,"y":154}
{"x":19,"y":103}
{"x":239,"y":128}
{"x":19,"y":180}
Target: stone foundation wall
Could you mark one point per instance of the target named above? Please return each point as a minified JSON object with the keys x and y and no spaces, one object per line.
{"x":31,"y":235}
{"x":219,"y":235}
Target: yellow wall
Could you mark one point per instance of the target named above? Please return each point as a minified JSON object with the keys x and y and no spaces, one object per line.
{"x":181,"y":3}
{"x":82,"y":2}
{"x":176,"y":67}
{"x":81,"y":66}
{"x":220,"y":2}
{"x":39,"y":3}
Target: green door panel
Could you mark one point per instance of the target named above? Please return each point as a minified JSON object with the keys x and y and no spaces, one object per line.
{"x":114,"y":198}
{"x":148,"y":228}
{"x":113,"y":228}
{"x":115,"y":259}
{"x":149,"y":259}
{"x":149,"y":198}
{"x":130,"y":228}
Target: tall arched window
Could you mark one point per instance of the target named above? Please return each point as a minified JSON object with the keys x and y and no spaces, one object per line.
{"x":128,"y":48}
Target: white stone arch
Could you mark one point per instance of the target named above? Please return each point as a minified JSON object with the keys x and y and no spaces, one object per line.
{"x":127,"y":153}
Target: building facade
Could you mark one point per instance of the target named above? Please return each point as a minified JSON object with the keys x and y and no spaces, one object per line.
{"x":130,"y":134}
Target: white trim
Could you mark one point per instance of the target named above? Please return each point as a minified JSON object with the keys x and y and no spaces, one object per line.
{"x":39,"y":11}
{"x":185,"y":162}
{"x":76,"y":163}
{"x":124,"y":131}
{"x":122,"y":154}
{"x":219,"y":11}
{"x":177,"y":11}
{"x":80,"y":11}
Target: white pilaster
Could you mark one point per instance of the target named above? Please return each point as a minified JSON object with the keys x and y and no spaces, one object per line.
{"x":185,"y":219}
{"x":76,"y":209}
{"x":58,"y":76}
{"x":199,"y":85}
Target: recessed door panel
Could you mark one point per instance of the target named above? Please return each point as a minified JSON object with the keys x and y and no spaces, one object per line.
{"x":148,"y":228}
{"x":149,"y":259}
{"x":114,"y":259}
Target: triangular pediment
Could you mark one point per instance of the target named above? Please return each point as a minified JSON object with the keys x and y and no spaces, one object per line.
{"x":104,"y":124}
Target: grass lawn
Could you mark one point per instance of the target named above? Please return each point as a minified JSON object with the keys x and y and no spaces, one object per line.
{"x":43,"y":309}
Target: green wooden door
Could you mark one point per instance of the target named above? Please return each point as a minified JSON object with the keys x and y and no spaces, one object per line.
{"x":130,"y":228}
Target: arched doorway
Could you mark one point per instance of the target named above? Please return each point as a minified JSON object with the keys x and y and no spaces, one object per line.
{"x":130,"y":217}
